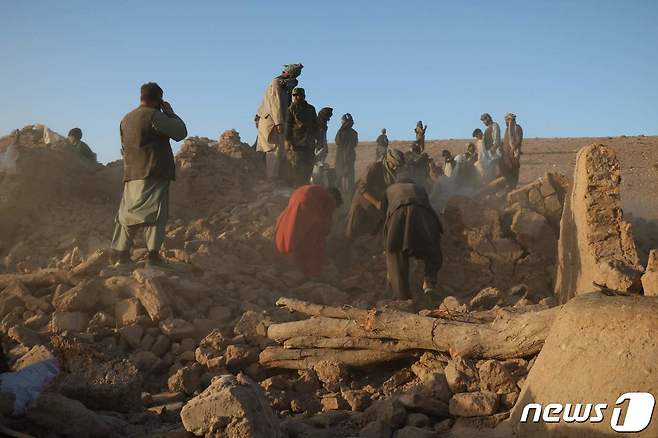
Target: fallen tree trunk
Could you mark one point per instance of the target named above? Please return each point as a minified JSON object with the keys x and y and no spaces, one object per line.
{"x":301,"y":359}
{"x":350,"y":344}
{"x":510,"y":335}
{"x":40,"y":278}
{"x":350,"y":328}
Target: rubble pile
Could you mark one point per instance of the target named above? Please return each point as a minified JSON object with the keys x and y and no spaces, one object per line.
{"x":60,"y":201}
{"x":508,"y":246}
{"x":212,"y":175}
{"x":207,"y":345}
{"x":54,"y":201}
{"x":590,"y":342}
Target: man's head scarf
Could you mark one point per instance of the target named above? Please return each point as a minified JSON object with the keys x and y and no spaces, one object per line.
{"x":393,"y":160}
{"x":293,"y":70}
{"x":346,"y":121}
{"x":325,"y":113}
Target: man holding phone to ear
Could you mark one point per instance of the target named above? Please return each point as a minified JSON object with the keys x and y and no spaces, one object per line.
{"x":148,"y":168}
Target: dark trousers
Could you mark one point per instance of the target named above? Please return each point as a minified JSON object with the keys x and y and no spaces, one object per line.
{"x":510,"y":173}
{"x":301,"y":163}
{"x":397,"y":265}
{"x":512,"y":178}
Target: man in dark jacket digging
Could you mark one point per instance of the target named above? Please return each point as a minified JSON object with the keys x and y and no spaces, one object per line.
{"x":412,"y":229}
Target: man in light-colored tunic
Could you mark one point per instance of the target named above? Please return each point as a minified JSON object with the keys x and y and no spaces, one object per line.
{"x":487,"y":159}
{"x":420,"y":131}
{"x":148,"y":168}
{"x":511,"y":161}
{"x":272,"y":118}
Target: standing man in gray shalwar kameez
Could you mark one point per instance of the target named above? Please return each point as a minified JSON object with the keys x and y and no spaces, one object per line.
{"x":148,"y":168}
{"x":272,"y":118}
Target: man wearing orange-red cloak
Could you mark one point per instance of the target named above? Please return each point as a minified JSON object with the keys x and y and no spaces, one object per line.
{"x":304,"y":225}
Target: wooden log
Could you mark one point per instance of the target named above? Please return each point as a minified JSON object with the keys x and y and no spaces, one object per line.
{"x":301,"y":359}
{"x":344,"y":312}
{"x":92,"y":265}
{"x":389,"y":345}
{"x":40,"y":278}
{"x":349,"y":312}
{"x":510,"y":335}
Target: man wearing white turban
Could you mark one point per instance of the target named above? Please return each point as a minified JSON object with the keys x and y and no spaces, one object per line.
{"x":272,"y":118}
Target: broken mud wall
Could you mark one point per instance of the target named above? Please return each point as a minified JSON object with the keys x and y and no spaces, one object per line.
{"x":52,"y":200}
{"x":57,"y":200}
{"x":213,"y":175}
{"x":504,"y":245}
{"x":596,"y":245}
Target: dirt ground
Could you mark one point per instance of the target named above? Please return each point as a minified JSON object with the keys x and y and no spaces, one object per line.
{"x":638,"y":156}
{"x":153,"y":351}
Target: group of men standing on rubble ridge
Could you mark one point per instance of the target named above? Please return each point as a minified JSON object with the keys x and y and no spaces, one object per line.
{"x":396,"y":196}
{"x":393,"y":195}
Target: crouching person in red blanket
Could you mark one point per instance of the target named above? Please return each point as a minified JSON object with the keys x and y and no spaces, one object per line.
{"x":304,"y":225}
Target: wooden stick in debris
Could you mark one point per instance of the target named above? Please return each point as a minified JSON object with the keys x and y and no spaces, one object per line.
{"x":510,"y":335}
{"x":344,"y":312}
{"x":301,"y":359}
{"x":92,"y":265}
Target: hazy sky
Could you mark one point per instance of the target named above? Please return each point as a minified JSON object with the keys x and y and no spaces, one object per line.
{"x":567,"y":68}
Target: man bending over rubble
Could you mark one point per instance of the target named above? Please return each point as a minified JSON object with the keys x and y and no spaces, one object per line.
{"x":412,"y":229}
{"x":148,"y":168}
{"x":303,"y":227}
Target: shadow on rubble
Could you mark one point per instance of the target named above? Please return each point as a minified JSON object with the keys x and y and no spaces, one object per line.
{"x":645,"y":234}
